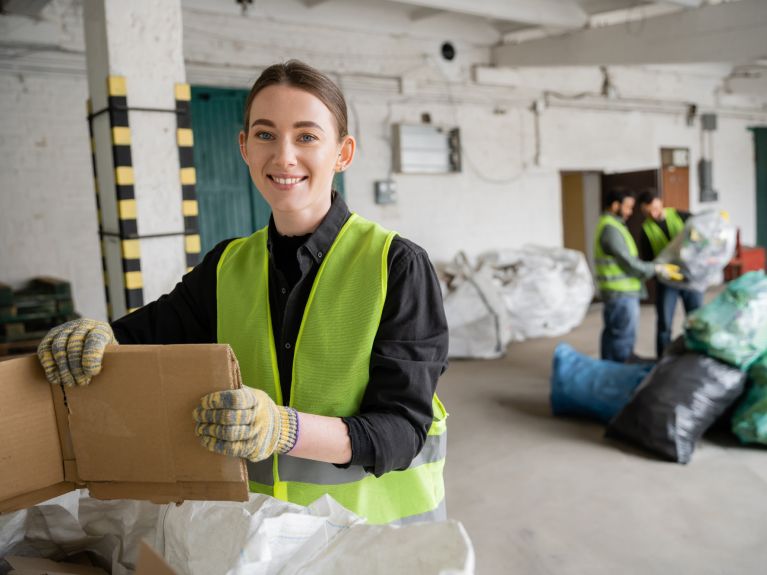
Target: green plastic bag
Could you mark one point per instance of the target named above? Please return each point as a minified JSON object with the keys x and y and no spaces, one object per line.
{"x":733,"y":327}
{"x":758,"y":371}
{"x":749,"y":421}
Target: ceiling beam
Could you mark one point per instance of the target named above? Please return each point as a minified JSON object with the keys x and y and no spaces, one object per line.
{"x":685,"y":3}
{"x":313,"y":3}
{"x":732,"y":32}
{"x":424,"y":14}
{"x":559,"y":13}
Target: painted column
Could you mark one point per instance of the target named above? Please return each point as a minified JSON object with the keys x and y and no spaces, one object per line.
{"x":135,"y":65}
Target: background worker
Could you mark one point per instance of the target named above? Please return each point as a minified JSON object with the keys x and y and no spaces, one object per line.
{"x":620,"y":275}
{"x":337,"y":325}
{"x":661,"y":225}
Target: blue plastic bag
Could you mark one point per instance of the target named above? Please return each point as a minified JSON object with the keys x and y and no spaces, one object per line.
{"x":594,"y":388}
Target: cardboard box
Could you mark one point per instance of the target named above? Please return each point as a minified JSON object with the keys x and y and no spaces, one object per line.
{"x":127,"y":435}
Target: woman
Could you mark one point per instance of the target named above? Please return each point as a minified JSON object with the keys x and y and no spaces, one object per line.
{"x":337,"y":325}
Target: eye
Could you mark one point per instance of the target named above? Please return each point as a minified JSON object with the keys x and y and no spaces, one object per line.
{"x":265,"y":136}
{"x":307,"y":138}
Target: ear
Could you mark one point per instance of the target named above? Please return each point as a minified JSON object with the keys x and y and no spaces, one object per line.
{"x":346,"y":153}
{"x":243,"y":149}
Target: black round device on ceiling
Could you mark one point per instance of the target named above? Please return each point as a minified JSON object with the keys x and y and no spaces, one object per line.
{"x":448,"y":51}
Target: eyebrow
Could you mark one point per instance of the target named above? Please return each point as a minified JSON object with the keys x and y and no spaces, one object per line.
{"x":304,"y":124}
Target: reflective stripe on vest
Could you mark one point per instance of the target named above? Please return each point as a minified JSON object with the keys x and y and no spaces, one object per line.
{"x":330,"y":369}
{"x":610,"y":276}
{"x":655,"y":234}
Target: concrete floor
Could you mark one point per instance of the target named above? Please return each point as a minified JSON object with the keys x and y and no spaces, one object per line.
{"x":539,"y":494}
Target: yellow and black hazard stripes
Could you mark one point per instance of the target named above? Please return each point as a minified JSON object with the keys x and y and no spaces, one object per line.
{"x":187,"y":175}
{"x":117,"y":98}
{"x":98,"y":210}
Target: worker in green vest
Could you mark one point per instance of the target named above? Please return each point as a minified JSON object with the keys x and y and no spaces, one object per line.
{"x":661,"y":225}
{"x":337,"y":325}
{"x":620,"y":276}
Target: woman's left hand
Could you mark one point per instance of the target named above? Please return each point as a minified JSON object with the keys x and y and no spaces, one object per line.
{"x":245,"y":423}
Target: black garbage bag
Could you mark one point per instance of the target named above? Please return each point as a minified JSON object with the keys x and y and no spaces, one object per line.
{"x":677,"y":402}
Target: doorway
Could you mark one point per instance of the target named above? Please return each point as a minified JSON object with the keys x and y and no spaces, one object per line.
{"x":760,"y":155}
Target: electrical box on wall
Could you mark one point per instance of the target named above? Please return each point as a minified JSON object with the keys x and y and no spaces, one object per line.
{"x":386,"y":192}
{"x":426,"y":149}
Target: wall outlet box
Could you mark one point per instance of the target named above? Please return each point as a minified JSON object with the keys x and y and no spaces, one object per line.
{"x":385,"y":192}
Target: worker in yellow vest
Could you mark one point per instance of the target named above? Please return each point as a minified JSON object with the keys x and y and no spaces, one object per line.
{"x":337,"y":325}
{"x":661,"y":225}
{"x":620,"y":276}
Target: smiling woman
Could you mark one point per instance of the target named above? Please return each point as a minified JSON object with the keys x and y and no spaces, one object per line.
{"x":293,"y":147}
{"x":337,"y":325}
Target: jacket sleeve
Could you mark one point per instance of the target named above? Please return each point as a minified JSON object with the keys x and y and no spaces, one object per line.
{"x":185,"y":315}
{"x":409,"y":355}
{"x":614,"y":245}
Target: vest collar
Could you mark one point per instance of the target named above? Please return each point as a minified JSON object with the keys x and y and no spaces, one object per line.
{"x":323,"y":237}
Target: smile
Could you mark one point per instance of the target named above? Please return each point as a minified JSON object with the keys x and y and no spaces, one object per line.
{"x":287,"y":181}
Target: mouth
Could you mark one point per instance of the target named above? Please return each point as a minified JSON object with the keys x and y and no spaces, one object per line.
{"x":287,"y":180}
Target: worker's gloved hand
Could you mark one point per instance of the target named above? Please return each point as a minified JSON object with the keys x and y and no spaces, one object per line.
{"x":245,"y":423}
{"x":71,"y":353}
{"x":669,"y":272}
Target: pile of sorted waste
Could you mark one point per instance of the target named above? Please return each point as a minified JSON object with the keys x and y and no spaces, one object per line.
{"x":720,"y":362}
{"x":513,"y":295}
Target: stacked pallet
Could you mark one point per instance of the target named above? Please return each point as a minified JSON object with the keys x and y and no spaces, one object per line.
{"x":26,"y":315}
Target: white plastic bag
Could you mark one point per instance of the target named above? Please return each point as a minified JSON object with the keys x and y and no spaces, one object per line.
{"x":475,"y":312}
{"x":262,"y":536}
{"x":546,"y":291}
{"x":702,"y":251}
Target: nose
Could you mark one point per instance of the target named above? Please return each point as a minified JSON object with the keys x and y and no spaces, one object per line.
{"x":285,"y":154}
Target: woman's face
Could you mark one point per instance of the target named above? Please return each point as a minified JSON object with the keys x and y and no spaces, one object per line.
{"x":292,"y":151}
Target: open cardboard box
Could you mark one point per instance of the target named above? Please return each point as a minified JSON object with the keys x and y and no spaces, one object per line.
{"x":127,"y":435}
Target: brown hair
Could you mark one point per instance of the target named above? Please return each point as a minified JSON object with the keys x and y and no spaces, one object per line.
{"x":299,"y":75}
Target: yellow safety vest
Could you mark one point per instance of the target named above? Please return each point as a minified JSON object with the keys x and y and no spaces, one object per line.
{"x":330,"y":370}
{"x":610,"y":276}
{"x":655,"y":234}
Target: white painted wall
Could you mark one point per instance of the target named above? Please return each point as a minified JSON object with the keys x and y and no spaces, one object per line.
{"x":508,"y":193}
{"x":48,"y":220}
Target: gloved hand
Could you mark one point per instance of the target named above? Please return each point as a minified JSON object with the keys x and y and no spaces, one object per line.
{"x":245,"y":423}
{"x":669,"y":272}
{"x":71,"y":353}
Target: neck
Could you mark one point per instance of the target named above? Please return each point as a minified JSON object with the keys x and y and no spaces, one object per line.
{"x":301,"y":222}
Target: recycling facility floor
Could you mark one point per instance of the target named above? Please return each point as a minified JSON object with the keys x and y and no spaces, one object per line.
{"x":539,"y":494}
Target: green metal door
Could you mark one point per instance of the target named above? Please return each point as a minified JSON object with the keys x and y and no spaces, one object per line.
{"x":760,"y":146}
{"x":229,"y":203}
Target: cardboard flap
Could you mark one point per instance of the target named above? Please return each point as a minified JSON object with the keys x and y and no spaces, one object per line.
{"x":133,"y":424}
{"x":150,"y":562}
{"x":127,"y":435}
{"x":30,"y":451}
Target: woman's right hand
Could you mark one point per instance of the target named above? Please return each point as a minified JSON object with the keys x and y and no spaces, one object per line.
{"x":71,"y":353}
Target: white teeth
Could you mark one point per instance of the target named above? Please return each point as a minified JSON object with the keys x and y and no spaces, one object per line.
{"x":286,"y":181}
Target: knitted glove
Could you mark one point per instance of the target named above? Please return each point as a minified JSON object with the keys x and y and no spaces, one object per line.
{"x":71,"y":353}
{"x":245,"y":423}
{"x":669,"y":272}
